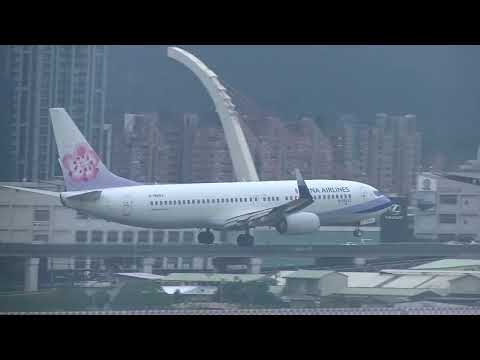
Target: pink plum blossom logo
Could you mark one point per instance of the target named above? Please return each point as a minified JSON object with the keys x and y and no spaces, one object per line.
{"x":82,"y":164}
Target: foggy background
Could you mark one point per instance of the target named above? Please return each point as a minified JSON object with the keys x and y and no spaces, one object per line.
{"x":440,"y":84}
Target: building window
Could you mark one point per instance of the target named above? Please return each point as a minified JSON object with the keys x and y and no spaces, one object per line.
{"x":467,"y":237}
{"x":97,"y":236}
{"x":172,"y":262}
{"x":158,"y":236}
{"x":173,"y":236}
{"x":127,"y":237}
{"x":448,"y":218}
{"x":40,"y":237}
{"x":112,"y":236}
{"x":143,"y":236}
{"x":448,"y":199}
{"x":188,"y":237}
{"x":187,"y":263}
{"x":446,"y":237}
{"x":81,"y":215}
{"x":41,"y":215}
{"x":81,"y":236}
{"x":80,"y":263}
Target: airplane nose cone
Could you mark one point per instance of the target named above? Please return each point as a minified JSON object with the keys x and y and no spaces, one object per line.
{"x":388,"y":201}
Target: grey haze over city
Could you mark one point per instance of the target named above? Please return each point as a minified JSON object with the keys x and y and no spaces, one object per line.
{"x":347,"y":181}
{"x":440,"y":84}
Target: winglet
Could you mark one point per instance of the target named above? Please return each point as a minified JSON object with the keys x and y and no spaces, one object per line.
{"x":303,"y":191}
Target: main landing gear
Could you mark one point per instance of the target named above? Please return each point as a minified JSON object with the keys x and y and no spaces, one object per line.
{"x":358,"y":233}
{"x":245,"y":240}
{"x":206,"y":237}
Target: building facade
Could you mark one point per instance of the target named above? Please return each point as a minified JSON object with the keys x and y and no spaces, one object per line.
{"x":46,"y":76}
{"x":394,"y":154}
{"x":31,"y":218}
{"x":350,"y":140}
{"x":448,"y":210}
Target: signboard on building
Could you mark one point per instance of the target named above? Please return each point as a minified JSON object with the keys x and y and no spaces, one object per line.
{"x":425,"y":183}
{"x":394,"y":223}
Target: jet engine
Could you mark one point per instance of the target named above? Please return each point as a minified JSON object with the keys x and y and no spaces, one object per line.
{"x":299,"y":223}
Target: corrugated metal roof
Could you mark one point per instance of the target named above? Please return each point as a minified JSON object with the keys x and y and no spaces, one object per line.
{"x":426,"y":304}
{"x":388,"y":291}
{"x":143,"y":276}
{"x":439,"y":282}
{"x":196,"y":277}
{"x":448,"y":263}
{"x":407,"y":281}
{"x":190,"y":290}
{"x":309,"y":274}
{"x":364,"y":279}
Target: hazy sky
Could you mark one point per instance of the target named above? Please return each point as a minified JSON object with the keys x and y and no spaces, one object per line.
{"x":440,"y":84}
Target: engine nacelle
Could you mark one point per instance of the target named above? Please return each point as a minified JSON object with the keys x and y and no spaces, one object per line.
{"x":299,"y":223}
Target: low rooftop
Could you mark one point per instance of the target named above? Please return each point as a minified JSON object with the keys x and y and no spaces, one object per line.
{"x":448,"y":263}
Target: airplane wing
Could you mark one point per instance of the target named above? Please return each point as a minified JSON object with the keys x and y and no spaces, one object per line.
{"x":459,"y":178}
{"x":272,"y":216}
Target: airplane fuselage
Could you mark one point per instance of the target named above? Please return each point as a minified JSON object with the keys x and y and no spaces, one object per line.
{"x":211,"y":205}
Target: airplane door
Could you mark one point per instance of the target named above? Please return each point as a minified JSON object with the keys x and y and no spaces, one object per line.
{"x":364,"y":195}
{"x":127,"y":207}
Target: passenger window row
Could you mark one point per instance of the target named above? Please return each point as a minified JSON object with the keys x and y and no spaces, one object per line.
{"x":242,"y":200}
{"x":210,"y":201}
{"x":336,"y":196}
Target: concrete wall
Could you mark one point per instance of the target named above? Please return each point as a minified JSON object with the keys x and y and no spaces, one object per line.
{"x":332,"y":283}
{"x":327,"y":285}
{"x":467,"y":210}
{"x":465,"y":285}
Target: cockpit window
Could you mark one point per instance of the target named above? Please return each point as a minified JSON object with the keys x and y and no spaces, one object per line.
{"x":378,"y":193}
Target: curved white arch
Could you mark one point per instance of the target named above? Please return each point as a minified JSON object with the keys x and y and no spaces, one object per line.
{"x":243,"y":164}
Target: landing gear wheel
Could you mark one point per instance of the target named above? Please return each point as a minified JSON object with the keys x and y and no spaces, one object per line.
{"x":358,"y":233}
{"x":206,"y":238}
{"x":245,"y":240}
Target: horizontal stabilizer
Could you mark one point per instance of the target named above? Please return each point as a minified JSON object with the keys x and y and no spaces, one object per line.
{"x":34,"y":191}
{"x":84,"y":196}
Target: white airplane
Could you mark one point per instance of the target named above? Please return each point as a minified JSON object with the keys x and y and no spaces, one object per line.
{"x":291,"y":207}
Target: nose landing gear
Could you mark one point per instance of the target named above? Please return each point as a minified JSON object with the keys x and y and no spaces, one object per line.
{"x":358,"y":233}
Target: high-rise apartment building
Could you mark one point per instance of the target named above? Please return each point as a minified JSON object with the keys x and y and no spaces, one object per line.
{"x":350,"y":142}
{"x":138,"y":148}
{"x":45,"y":76}
{"x":395,"y":153}
{"x":308,"y":149}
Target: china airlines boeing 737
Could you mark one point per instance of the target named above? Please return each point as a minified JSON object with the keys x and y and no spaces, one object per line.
{"x":291,"y":207}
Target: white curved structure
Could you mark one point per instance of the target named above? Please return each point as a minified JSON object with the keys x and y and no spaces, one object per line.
{"x":239,"y":152}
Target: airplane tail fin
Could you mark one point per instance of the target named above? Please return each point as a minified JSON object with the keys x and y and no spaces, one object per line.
{"x":82,"y":168}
